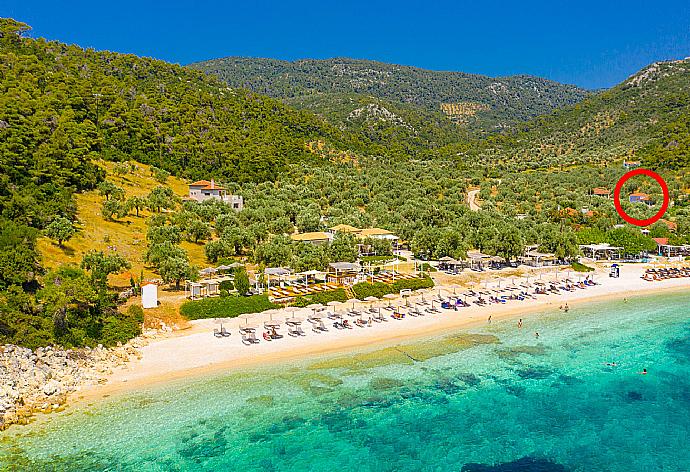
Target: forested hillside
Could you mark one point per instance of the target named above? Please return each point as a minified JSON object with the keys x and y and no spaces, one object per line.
{"x":61,"y":106}
{"x":647,"y":117}
{"x":481,"y":103}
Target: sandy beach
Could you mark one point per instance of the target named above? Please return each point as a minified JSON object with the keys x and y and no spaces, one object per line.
{"x":196,"y":351}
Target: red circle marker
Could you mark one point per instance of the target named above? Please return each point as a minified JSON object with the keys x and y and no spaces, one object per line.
{"x":619,"y":207}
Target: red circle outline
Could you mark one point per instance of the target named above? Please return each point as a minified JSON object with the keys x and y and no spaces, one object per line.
{"x":619,"y":207}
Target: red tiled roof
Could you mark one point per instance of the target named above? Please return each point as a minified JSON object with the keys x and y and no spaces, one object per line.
{"x":669,"y":224}
{"x":601,"y":191}
{"x":661,"y":241}
{"x":641,"y":195}
{"x":199,"y":183}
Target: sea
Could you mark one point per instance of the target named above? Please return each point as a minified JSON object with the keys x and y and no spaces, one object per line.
{"x":492,"y":398}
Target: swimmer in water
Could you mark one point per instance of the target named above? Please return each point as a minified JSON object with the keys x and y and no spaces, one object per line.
{"x":612,"y":364}
{"x":566,"y":308}
{"x":520,"y":323}
{"x":536,"y":335}
{"x":489,"y":319}
{"x":644,"y":372}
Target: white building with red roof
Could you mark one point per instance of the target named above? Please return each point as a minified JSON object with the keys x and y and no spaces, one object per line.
{"x":203,"y":190}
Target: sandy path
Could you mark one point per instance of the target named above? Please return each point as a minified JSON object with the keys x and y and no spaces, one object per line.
{"x":472,"y":200}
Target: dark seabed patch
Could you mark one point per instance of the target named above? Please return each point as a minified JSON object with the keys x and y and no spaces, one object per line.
{"x":513,"y":352}
{"x":535,"y":373}
{"x":525,"y":464}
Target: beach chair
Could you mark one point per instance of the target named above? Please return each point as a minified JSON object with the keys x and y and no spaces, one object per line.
{"x":217,"y":333}
{"x":248,"y":337}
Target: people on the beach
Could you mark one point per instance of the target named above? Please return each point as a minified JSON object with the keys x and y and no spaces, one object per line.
{"x":489,"y":320}
{"x":566,"y":308}
{"x":520,"y":323}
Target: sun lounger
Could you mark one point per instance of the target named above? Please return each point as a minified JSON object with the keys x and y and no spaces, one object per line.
{"x":217,"y":333}
{"x":249,"y":338}
{"x":415,"y":312}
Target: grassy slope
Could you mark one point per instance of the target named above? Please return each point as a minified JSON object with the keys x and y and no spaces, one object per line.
{"x":127,"y":234}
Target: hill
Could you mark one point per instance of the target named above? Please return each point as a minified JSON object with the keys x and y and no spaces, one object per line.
{"x":646,"y":117}
{"x":478,"y":102}
{"x":61,"y":106}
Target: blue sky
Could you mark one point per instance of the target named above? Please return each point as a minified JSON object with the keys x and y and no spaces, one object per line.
{"x":591,"y":44}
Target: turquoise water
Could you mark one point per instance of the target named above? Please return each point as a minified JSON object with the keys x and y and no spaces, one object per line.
{"x":494,"y":399}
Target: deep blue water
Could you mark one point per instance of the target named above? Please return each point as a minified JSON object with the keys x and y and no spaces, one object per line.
{"x":493,"y":399}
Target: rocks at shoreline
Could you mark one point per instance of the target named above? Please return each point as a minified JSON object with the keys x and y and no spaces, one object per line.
{"x":40,"y":380}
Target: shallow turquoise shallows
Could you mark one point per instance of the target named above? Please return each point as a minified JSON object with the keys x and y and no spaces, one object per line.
{"x":493,"y":399}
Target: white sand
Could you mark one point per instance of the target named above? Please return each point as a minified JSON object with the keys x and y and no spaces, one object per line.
{"x":196,"y":350}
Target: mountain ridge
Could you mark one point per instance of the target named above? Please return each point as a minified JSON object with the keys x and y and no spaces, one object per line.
{"x":494,"y":103}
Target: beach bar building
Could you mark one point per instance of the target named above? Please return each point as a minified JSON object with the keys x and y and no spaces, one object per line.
{"x":538,"y":259}
{"x":601,"y":251}
{"x":665,"y":249}
{"x":476,"y":260}
{"x":343,"y":273}
{"x":277,"y":275}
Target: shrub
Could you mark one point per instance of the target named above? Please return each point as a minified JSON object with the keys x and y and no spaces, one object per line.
{"x":226,"y":285}
{"x":338,"y":295}
{"x":379,"y":289}
{"x":136,"y":313}
{"x":227,"y":307}
{"x":578,"y":267}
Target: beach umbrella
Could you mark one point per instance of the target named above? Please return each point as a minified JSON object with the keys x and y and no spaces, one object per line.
{"x":354,"y":301}
{"x":271,"y":313}
{"x":314,"y":307}
{"x":334,"y":303}
{"x":371,"y":299}
{"x":294,"y":320}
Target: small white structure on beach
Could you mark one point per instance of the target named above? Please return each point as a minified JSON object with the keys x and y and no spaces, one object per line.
{"x":149,"y":295}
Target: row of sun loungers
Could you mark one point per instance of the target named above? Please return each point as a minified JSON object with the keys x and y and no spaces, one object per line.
{"x":652,"y":275}
{"x":425,"y":305}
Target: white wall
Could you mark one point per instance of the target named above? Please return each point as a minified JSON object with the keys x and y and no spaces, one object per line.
{"x":149,"y":296}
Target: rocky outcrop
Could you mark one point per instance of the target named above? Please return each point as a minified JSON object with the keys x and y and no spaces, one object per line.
{"x":40,"y":380}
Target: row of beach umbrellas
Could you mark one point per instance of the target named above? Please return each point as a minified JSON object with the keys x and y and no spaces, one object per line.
{"x":451,"y":290}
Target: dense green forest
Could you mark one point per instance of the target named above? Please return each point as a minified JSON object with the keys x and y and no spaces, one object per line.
{"x":647,"y":118}
{"x":485,"y":104}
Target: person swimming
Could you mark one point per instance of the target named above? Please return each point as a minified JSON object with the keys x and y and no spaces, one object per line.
{"x":612,"y":364}
{"x":536,"y":335}
{"x":520,"y":323}
{"x":644,"y":372}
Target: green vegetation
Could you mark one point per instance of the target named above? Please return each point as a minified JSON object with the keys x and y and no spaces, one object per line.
{"x":337,"y":295}
{"x":577,"y":267}
{"x":338,"y":88}
{"x":379,"y":289}
{"x":376,"y":157}
{"x":225,"y":307}
{"x":644,"y":118}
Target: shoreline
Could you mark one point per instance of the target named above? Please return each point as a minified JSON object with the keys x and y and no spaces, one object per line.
{"x":180,"y":357}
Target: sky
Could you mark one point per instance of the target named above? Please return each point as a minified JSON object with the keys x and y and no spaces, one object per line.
{"x":593,"y":44}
